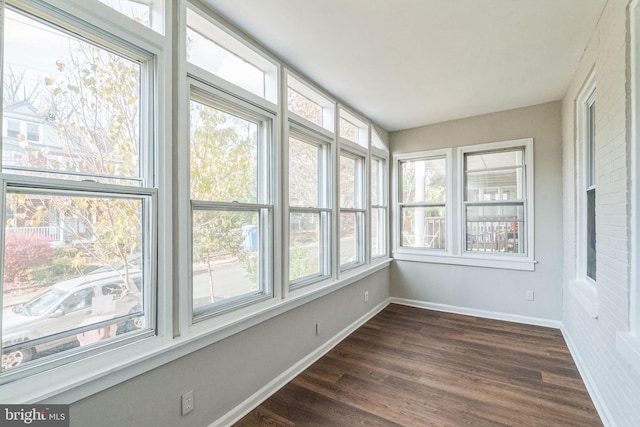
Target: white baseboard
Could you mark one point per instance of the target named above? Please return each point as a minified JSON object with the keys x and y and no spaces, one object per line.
{"x":603,"y":412}
{"x":281,"y":380}
{"x":557,"y":324}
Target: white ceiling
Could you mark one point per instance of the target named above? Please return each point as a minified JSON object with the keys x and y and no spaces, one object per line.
{"x":407,"y":63}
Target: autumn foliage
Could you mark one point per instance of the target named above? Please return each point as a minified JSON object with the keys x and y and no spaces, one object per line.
{"x":23,"y":252}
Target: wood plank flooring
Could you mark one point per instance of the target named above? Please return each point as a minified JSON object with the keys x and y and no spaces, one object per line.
{"x":413,"y":367}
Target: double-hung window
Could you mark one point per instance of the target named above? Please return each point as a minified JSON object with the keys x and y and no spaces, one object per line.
{"x":231,"y":201}
{"x":352,"y":209}
{"x":590,"y":185}
{"x":309,"y":210}
{"x":423,"y":201}
{"x":378,"y":197}
{"x":494,"y":201}
{"x":586,"y":182}
{"x":79,"y":208}
{"x":476,"y":210}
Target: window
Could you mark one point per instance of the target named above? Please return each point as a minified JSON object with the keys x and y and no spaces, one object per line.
{"x":309,"y":213}
{"x":139,"y":11}
{"x":65,"y":239}
{"x":216,"y":51}
{"x":423,"y":201}
{"x":378,"y":207}
{"x":494,"y":201}
{"x":591,"y":188}
{"x":309,"y":104}
{"x":586,"y":194}
{"x":353,"y":129}
{"x":488,"y":192}
{"x":33,"y":132}
{"x":232,"y":209}
{"x":351,"y":210}
{"x":13,"y":128}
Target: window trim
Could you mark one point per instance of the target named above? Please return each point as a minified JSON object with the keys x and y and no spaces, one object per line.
{"x":456,"y":239}
{"x":148,"y":50}
{"x":315,"y":95}
{"x":359,"y":209}
{"x":324,"y":208}
{"x":360,"y":123}
{"x":383,"y":204}
{"x":216,"y":99}
{"x":528,"y":201}
{"x":398,"y":159}
{"x":583,"y":288}
{"x":242,"y":47}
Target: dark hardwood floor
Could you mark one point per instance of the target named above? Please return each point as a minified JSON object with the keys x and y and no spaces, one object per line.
{"x":413,"y":367}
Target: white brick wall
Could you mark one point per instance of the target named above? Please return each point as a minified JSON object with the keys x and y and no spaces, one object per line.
{"x":614,"y":384}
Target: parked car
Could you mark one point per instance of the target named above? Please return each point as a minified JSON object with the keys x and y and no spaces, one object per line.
{"x":65,"y":306}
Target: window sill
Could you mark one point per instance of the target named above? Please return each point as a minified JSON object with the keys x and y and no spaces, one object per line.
{"x":628,"y":346}
{"x":501,"y":262}
{"x":77,"y":380}
{"x":586,"y":294}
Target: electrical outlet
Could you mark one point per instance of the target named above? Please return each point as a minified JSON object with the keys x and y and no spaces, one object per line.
{"x":318,"y":328}
{"x":366,"y":296}
{"x":187,"y":402}
{"x":529,"y":295}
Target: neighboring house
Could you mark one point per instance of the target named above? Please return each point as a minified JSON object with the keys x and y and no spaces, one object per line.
{"x":30,"y":141}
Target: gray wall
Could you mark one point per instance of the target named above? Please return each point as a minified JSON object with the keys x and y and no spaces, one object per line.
{"x":226,"y":373}
{"x":496,"y":290}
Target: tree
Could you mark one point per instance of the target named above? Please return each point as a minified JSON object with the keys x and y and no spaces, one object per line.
{"x":91,"y":100}
{"x":223,"y":156}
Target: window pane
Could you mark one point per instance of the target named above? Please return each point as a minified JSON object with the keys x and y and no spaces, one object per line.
{"x":350,"y":182}
{"x":424,"y":227}
{"x":495,"y":229}
{"x":304,"y":107}
{"x":304,"y":188}
{"x":224,"y":156}
{"x":226,"y":255}
{"x":350,"y":237}
{"x":349,"y":131}
{"x":205,"y":53}
{"x":377,"y":181}
{"x":86,"y":99}
{"x":591,"y":145}
{"x":503,"y":184}
{"x":378,"y":232}
{"x":70,"y":262}
{"x":138,"y":11}
{"x":424,"y":180}
{"x":304,"y":245}
{"x":500,"y":159}
{"x":591,"y":234}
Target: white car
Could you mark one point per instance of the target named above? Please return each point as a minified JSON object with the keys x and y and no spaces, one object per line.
{"x":30,"y":329}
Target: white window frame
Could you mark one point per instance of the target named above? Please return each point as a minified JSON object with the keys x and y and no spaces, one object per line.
{"x":315,"y":95}
{"x":75,"y":367}
{"x":359,"y":122}
{"x":324,"y":208}
{"x":359,"y":209}
{"x":245,"y":49}
{"x":582,"y":287}
{"x":264,"y":205}
{"x":407,"y":251}
{"x":456,"y":239}
{"x":383,"y":203}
